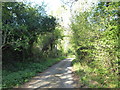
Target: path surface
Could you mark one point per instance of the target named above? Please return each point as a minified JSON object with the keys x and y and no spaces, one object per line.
{"x":57,"y":76}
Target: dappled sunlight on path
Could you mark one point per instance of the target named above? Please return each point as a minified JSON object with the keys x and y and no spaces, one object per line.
{"x":57,"y":76}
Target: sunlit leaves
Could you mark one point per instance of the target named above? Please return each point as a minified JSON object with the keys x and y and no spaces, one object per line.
{"x":100,"y":34}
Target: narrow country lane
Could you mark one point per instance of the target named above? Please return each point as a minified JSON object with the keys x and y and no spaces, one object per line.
{"x":57,"y":76}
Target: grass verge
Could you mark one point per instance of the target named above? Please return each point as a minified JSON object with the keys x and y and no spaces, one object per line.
{"x":21,"y":72}
{"x":93,"y":79}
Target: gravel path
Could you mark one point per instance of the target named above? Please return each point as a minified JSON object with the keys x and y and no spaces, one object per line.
{"x":57,"y":76}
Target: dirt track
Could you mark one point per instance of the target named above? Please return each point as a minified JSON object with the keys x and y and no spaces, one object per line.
{"x":57,"y":76}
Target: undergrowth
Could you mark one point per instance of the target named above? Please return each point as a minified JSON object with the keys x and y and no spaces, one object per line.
{"x":21,"y":72}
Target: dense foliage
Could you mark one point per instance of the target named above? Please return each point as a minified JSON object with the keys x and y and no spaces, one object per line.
{"x":22,"y":26}
{"x":96,"y":36}
{"x":29,"y":38}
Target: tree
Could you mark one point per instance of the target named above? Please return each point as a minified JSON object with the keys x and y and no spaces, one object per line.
{"x":22,"y":25}
{"x":95,"y":38}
